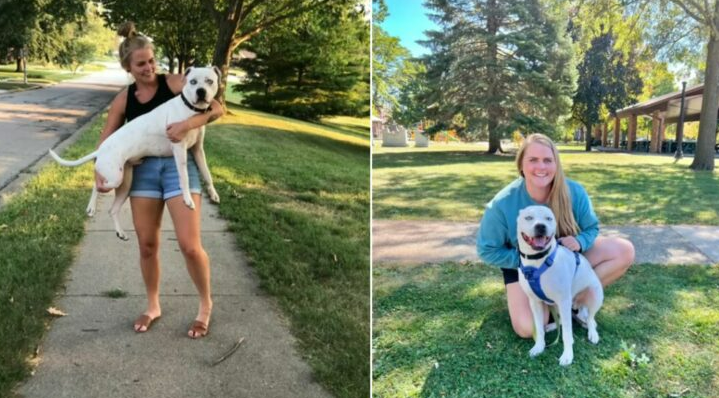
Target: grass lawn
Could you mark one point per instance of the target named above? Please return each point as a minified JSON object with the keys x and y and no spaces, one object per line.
{"x":296,"y":195}
{"x":37,"y":74}
{"x":442,"y":330}
{"x":453,"y":182}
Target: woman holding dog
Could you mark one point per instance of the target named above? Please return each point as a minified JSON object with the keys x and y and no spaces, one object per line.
{"x":542,"y":182}
{"x":156,"y":183}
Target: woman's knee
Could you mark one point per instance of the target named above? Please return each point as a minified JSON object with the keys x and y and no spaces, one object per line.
{"x":192,"y":251}
{"x":523,"y":328}
{"x":148,"y":248}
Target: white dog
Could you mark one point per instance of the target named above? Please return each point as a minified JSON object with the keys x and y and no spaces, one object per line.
{"x":553,"y":274}
{"x":145,"y":136}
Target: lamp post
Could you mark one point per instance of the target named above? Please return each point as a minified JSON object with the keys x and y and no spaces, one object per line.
{"x":680,"y":127}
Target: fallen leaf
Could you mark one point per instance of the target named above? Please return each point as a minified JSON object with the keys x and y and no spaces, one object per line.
{"x":55,"y":312}
{"x":335,"y":256}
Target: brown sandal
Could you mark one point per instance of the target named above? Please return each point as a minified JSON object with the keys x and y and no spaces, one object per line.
{"x":144,"y":320}
{"x":198,"y":330}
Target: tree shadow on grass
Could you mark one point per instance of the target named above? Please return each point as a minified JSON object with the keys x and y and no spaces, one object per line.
{"x":422,"y":159}
{"x":622,"y":194}
{"x":424,"y":194}
{"x":460,"y":341}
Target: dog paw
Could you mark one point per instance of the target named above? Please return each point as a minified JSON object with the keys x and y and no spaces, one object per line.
{"x":214,"y":197}
{"x":121,"y":235}
{"x":90,"y":211}
{"x":593,"y":336}
{"x":190,"y":203}
{"x":536,"y":350}
{"x":566,"y":358}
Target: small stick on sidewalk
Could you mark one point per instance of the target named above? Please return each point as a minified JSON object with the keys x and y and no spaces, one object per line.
{"x":230,"y":352}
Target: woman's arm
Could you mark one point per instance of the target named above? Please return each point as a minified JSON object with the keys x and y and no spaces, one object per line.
{"x":177,"y":131}
{"x":493,"y":240}
{"x":115,"y":120}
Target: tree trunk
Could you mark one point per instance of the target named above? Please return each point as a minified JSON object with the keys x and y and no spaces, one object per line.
{"x":588,"y":138}
{"x":706,"y":142}
{"x":223,"y":52}
{"x":300,"y":72}
{"x":19,"y":60}
{"x":171,"y":62}
{"x":493,"y":111}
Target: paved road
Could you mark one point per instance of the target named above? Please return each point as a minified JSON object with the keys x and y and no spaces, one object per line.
{"x":416,"y":242}
{"x":33,"y":121}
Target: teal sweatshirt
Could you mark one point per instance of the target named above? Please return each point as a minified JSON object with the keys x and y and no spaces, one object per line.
{"x":497,"y":236}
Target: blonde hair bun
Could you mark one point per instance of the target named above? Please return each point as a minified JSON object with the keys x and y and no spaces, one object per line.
{"x":127,"y":30}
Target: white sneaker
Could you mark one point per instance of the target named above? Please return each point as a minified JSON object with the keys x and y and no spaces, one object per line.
{"x":581,"y":316}
{"x":550,"y":327}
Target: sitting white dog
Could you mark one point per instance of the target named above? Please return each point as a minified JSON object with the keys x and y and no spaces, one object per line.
{"x":552,"y":274}
{"x":145,"y":136}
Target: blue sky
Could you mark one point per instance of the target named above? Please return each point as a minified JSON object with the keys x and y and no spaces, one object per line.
{"x":408,"y":21}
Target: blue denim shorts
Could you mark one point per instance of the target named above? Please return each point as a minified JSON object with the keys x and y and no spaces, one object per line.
{"x":157,"y":177}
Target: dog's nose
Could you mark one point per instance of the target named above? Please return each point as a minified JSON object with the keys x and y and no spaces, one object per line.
{"x":540,"y":230}
{"x":201,"y":94}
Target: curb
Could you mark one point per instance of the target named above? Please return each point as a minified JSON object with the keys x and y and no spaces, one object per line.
{"x":17,"y":184}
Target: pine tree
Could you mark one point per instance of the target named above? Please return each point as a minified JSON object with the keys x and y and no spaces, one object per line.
{"x":499,"y":65}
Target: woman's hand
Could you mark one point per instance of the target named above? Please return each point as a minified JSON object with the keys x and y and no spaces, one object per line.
{"x":176,"y":132}
{"x":570,"y":243}
{"x":100,"y":183}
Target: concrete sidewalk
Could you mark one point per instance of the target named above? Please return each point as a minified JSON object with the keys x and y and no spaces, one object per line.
{"x":94,"y":352}
{"x":416,"y":242}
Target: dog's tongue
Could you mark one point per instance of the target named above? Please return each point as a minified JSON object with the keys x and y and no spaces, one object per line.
{"x":537,"y":242}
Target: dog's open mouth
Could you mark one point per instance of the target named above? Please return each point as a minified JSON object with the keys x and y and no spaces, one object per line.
{"x":538,"y":243}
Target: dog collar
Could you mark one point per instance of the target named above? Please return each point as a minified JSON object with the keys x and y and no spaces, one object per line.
{"x":194,"y":108}
{"x":535,"y":256}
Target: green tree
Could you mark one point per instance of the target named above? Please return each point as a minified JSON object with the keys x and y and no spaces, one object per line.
{"x":389,"y":59}
{"x":315,"y":64}
{"x":33,"y":24}
{"x":504,"y":66}
{"x":606,"y":81}
{"x":239,"y":21}
{"x":706,"y":14}
{"x":412,"y":99}
{"x":181,"y":29}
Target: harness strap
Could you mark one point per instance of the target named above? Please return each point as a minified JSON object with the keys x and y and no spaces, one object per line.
{"x":533,"y":274}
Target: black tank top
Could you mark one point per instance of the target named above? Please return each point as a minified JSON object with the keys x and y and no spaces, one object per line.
{"x":133,"y":107}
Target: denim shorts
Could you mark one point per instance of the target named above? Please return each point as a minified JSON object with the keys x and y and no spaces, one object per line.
{"x":157,"y":177}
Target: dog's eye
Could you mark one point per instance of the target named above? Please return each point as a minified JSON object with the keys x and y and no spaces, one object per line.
{"x":549,"y":218}
{"x":209,"y":81}
{"x":529,"y":218}
{"x":193,"y":81}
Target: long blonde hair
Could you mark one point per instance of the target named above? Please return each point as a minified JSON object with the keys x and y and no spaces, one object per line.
{"x":559,"y":200}
{"x":133,"y":41}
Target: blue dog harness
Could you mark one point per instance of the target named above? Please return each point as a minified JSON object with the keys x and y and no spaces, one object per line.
{"x":532,"y":274}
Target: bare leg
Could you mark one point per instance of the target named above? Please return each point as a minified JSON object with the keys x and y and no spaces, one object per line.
{"x":520,"y":312}
{"x":147,"y":217}
{"x":610,"y":258}
{"x":187,"y":228}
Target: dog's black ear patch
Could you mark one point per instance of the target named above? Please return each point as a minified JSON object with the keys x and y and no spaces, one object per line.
{"x":187,"y":71}
{"x":219,"y":74}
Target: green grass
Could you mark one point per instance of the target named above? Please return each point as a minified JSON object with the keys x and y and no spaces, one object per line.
{"x":295,"y":194}
{"x":13,"y":86}
{"x":443,"y":330}
{"x":453,"y":182}
{"x":39,"y":229}
{"x":37,"y":74}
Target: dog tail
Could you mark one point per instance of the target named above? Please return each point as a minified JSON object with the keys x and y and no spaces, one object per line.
{"x":78,"y":162}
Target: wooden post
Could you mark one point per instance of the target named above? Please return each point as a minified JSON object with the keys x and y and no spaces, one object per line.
{"x":655,"y":145}
{"x":662,"y":130}
{"x":617,"y":123}
{"x":632,"y":136}
{"x":604,"y":134}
